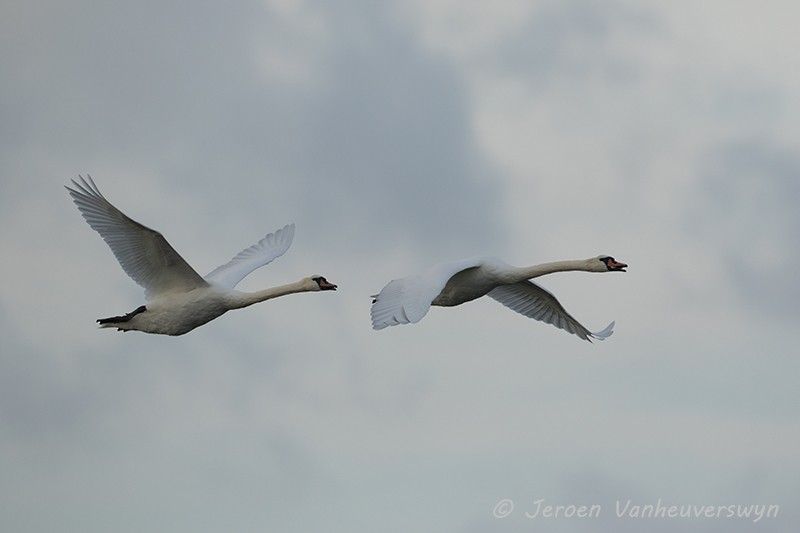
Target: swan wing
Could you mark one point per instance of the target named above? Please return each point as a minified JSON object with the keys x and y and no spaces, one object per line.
{"x":407,"y":300}
{"x":144,"y":254}
{"x":263,"y":252}
{"x":529,"y":299}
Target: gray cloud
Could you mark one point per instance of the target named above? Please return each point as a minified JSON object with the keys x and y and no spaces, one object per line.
{"x":573,"y":42}
{"x":752,"y":185}
{"x":380,"y":144}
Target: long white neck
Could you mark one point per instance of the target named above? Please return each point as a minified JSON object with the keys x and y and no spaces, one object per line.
{"x":237,"y":300}
{"x":523,"y":273}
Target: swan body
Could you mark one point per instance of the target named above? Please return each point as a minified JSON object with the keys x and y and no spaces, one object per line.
{"x":178,"y":298}
{"x":408,"y":300}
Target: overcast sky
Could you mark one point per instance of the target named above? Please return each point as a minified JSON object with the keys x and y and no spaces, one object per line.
{"x":396,"y":135}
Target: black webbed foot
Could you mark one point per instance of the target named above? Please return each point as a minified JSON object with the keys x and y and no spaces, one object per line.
{"x":123,"y":318}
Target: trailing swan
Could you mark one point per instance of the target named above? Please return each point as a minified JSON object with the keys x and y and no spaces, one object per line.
{"x":178,"y":298}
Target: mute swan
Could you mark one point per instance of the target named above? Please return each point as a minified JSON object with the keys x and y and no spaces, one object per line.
{"x":178,"y":299}
{"x":448,"y":284}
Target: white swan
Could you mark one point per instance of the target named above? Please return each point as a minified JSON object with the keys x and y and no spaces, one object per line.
{"x":407,"y":300}
{"x":178,"y":298}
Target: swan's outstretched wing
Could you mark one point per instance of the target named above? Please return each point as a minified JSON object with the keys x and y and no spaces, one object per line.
{"x":144,"y":254}
{"x":264,"y":251}
{"x":529,"y":299}
{"x":407,"y":300}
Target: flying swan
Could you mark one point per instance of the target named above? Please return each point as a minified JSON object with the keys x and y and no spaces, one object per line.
{"x":407,"y":300}
{"x":178,"y":298}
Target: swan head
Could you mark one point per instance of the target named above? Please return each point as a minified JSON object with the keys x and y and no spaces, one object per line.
{"x":321,"y":283}
{"x":606,"y":263}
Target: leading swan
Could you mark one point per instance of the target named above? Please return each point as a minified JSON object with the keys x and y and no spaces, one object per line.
{"x":178,"y":298}
{"x":407,"y":300}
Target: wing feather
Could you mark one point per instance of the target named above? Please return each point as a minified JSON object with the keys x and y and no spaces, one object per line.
{"x":407,"y":300}
{"x":144,"y":254}
{"x":263,"y":252}
{"x":529,"y":299}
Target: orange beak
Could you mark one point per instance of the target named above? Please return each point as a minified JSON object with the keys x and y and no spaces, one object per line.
{"x":616,"y":265}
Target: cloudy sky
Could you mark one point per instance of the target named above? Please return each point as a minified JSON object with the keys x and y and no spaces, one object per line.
{"x":397,"y":135}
